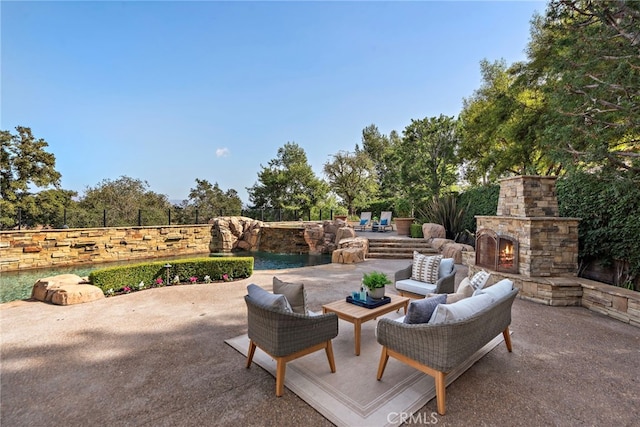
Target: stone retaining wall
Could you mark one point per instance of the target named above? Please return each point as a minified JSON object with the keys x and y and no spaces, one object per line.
{"x":21,"y":250}
{"x":30,"y":249}
{"x":613,"y":301}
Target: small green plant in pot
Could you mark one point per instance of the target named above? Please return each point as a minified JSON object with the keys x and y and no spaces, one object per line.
{"x":375,"y":282}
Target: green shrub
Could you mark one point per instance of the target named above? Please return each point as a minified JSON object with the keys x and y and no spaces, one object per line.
{"x":447,"y":212}
{"x":154,"y":274}
{"x":609,"y":212}
{"x":478,"y":201}
{"x":416,"y":231}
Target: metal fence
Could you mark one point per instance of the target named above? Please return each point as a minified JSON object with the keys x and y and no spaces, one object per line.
{"x":79,"y":218}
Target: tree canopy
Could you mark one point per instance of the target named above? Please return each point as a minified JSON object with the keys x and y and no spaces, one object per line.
{"x":427,"y":158}
{"x":585,"y":57}
{"x":352,"y":177}
{"x":24,"y":164}
{"x":210,"y":201}
{"x":123,"y":199}
{"x":288,"y":182}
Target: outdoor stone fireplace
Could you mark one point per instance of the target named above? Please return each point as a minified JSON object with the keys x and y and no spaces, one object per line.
{"x":497,"y":252}
{"x":529,"y":243}
{"x":527,"y":236}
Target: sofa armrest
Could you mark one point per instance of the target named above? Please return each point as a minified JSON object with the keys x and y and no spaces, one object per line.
{"x":405,"y":273}
{"x":446,"y":284}
{"x":445,"y":346}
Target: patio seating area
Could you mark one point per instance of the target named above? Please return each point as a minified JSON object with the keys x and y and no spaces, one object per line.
{"x":159,"y":358}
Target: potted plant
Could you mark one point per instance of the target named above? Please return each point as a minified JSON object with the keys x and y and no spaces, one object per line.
{"x":375,"y":282}
{"x":405,"y":216}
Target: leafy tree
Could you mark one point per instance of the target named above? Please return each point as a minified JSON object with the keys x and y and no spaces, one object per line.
{"x":585,"y":55}
{"x":123,"y":199}
{"x":609,"y":211}
{"x":210,"y":202}
{"x":24,"y":163}
{"x":380,"y":149}
{"x":288,"y":182}
{"x":47,"y":207}
{"x":427,"y":158}
{"x":500,"y":128}
{"x":479,"y":200}
{"x":352,"y":177}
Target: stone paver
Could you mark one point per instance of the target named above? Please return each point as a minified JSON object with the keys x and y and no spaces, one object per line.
{"x":158,"y":358}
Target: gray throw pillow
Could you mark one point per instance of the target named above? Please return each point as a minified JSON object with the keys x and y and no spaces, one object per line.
{"x":294,"y":292}
{"x":262,"y":297}
{"x":420,"y":311}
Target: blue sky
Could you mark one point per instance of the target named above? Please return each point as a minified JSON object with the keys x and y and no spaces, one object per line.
{"x":168,"y":92}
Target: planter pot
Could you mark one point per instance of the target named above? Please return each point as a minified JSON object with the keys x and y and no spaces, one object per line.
{"x":342,"y":217}
{"x":403,"y":226}
{"x":377,"y":293}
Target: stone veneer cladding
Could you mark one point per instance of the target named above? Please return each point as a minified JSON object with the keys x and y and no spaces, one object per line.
{"x":528,"y":211}
{"x":528,"y":196}
{"x":547,"y":246}
{"x":27,"y":249}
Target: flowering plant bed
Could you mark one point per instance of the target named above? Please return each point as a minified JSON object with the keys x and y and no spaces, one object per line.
{"x":126,"y":279}
{"x":159,"y":282}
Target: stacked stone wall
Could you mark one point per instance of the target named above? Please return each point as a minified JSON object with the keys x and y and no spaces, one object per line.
{"x":21,"y":250}
{"x":612,"y":301}
{"x":547,"y":246}
{"x":283,"y":240}
{"x":528,"y":196}
{"x":30,"y":249}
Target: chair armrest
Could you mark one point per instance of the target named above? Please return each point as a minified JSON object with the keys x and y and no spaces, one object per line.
{"x":281,"y":333}
{"x":446,"y":284}
{"x":405,"y":273}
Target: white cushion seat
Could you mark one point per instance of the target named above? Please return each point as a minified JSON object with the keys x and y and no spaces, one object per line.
{"x":415,"y":286}
{"x":460,"y":310}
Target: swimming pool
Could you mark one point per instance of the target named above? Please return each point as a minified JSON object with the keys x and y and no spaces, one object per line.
{"x":17,"y":285}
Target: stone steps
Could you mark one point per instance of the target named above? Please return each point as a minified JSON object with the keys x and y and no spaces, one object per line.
{"x":398,"y":248}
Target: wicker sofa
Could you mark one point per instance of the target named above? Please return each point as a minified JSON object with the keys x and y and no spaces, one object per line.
{"x":436,"y":349}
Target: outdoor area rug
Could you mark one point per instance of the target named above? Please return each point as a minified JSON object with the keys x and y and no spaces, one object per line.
{"x":352,"y":396}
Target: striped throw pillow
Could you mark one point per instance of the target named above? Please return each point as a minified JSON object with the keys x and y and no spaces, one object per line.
{"x":425,"y":268}
{"x":479,"y":279}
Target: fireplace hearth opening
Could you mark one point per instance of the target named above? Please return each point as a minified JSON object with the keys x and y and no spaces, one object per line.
{"x":498,"y":252}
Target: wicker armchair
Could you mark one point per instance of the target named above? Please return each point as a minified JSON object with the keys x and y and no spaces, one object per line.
{"x":436,"y":349}
{"x":444,"y":284}
{"x":288,"y":336}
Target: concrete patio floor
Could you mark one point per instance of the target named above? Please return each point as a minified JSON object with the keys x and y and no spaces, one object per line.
{"x":158,"y":358}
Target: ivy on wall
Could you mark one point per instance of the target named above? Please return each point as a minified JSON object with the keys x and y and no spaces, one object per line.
{"x":609,"y":212}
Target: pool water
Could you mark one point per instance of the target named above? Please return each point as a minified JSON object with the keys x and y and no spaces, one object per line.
{"x":17,"y":285}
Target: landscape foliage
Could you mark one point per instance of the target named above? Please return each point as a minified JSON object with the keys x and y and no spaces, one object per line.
{"x":155,"y":274}
{"x":571,"y":110}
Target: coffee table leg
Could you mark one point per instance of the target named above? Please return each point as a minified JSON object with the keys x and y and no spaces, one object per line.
{"x":357,"y":327}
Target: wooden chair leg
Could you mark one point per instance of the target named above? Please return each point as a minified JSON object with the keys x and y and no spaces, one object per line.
{"x":384,"y":357}
{"x":440,"y":392}
{"x":329,"y":350}
{"x":252,"y":350}
{"x":281,"y":367}
{"x":507,"y":338}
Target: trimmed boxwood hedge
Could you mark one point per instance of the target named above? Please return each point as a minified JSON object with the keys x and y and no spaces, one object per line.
{"x":416,"y":231}
{"x":113,"y":279}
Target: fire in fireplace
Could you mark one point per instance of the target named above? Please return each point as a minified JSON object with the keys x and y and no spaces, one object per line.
{"x":498,"y":252}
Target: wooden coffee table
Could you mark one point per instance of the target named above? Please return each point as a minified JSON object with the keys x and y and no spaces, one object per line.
{"x":358,"y":315}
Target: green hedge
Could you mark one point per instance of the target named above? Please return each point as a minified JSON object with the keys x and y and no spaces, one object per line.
{"x":416,"y":231}
{"x":609,"y":212}
{"x":479,"y":201}
{"x":113,"y":279}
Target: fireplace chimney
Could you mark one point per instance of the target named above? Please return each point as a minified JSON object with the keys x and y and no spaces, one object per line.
{"x":527,"y":236}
